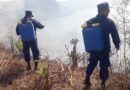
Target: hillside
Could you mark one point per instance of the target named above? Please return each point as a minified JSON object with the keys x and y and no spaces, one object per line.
{"x":57,"y":76}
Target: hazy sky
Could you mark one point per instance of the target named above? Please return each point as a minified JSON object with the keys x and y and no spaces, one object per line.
{"x":62,"y":20}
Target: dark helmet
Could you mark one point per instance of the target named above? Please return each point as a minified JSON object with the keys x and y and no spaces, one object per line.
{"x":28,"y":13}
{"x":103,"y":6}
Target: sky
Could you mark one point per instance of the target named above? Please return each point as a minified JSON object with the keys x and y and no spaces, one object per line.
{"x":5,"y":0}
{"x":62,"y":20}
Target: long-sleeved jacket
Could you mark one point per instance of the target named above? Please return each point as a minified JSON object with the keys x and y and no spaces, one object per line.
{"x":36,"y":25}
{"x":109,"y":28}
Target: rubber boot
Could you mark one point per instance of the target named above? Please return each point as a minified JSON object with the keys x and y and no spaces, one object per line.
{"x":28,"y":65}
{"x":103,"y":86}
{"x":87,"y":83}
{"x":36,"y":64}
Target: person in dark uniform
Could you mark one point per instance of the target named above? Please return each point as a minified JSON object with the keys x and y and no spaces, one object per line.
{"x":109,"y":28}
{"x":30,"y":44}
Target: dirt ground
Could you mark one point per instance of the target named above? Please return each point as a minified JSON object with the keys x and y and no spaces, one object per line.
{"x":14,"y":76}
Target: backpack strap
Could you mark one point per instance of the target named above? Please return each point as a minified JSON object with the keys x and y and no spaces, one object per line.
{"x":86,"y":25}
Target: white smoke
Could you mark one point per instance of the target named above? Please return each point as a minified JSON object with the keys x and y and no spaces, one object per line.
{"x":10,"y":12}
{"x":62,"y":21}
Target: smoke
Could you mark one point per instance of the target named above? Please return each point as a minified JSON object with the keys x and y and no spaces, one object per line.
{"x":10,"y":12}
{"x":62,"y":21}
{"x":43,"y":9}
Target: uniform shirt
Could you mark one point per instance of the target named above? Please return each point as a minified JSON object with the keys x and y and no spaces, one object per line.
{"x":109,"y":28}
{"x":35,"y":23}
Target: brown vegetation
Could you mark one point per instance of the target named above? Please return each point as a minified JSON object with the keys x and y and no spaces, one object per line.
{"x":56,"y":77}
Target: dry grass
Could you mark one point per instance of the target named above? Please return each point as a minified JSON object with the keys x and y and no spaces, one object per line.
{"x":57,"y":76}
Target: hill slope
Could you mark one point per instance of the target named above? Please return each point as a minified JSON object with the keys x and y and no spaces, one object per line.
{"x":14,"y":76}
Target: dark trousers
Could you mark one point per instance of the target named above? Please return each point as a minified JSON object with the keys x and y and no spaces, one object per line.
{"x":103,"y":58}
{"x":34,"y":48}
